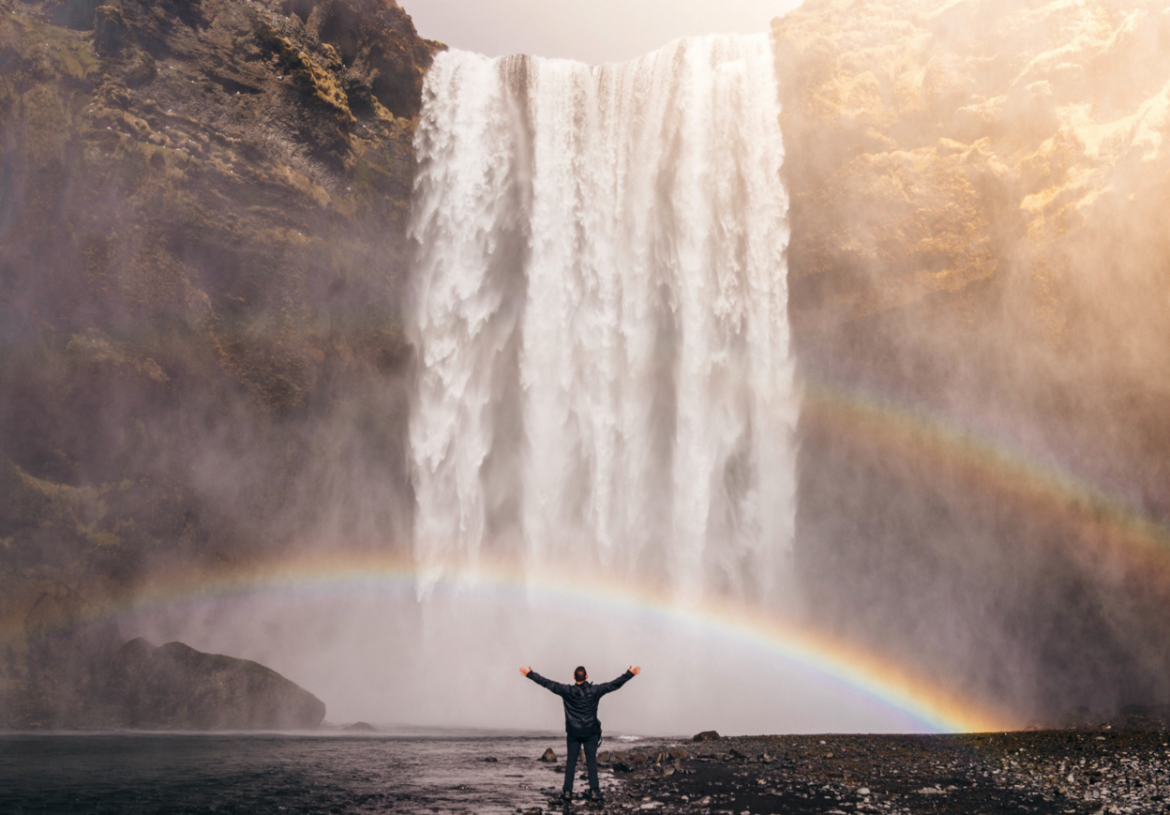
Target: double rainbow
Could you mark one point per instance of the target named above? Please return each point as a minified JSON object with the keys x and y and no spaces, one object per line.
{"x":1096,"y":523}
{"x":1102,"y":525}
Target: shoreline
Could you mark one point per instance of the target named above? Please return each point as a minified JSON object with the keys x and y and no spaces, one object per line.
{"x":1102,"y":772}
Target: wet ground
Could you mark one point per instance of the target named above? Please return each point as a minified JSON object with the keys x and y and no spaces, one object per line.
{"x":1068,"y":772}
{"x":1065,"y":772}
{"x":266,"y":774}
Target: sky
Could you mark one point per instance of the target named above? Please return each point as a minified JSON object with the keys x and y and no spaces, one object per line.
{"x":594,"y":31}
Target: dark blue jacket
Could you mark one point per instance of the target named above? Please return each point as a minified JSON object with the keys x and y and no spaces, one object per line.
{"x":581,"y":702}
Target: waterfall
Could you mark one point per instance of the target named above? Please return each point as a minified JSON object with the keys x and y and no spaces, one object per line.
{"x":601,"y":317}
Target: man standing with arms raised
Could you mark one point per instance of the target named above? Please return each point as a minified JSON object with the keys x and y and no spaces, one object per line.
{"x":581,"y":724}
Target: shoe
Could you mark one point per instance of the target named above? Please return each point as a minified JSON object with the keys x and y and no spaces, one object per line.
{"x":566,"y":796}
{"x":596,"y":797}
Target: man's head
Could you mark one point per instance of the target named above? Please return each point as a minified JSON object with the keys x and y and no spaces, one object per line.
{"x":580,"y":675}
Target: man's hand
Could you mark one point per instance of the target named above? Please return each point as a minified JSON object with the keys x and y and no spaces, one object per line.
{"x":526,"y":671}
{"x":635,"y":671}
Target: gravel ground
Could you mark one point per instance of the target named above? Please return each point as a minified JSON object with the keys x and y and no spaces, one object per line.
{"x":1058,"y":771}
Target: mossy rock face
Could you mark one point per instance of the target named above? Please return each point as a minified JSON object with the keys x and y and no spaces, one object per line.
{"x":210,"y":169}
{"x":77,"y":14}
{"x":371,"y":38}
{"x":109,"y":29}
{"x":203,"y":260}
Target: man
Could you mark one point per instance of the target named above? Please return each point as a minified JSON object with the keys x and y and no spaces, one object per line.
{"x":581,"y":724}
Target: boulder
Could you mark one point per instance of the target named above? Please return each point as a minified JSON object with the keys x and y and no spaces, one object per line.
{"x":706,"y":735}
{"x":549,"y":756}
{"x":176,"y":687}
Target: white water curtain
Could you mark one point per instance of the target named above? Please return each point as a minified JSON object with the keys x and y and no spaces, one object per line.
{"x":601,"y":314}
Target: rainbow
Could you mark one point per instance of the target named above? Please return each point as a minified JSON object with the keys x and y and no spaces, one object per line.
{"x":1094,"y":522}
{"x":862,"y":672}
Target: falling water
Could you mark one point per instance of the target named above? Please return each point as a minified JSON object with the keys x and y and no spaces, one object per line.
{"x":601,"y":315}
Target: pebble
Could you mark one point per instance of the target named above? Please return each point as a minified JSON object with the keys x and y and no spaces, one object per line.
{"x":1064,"y":772}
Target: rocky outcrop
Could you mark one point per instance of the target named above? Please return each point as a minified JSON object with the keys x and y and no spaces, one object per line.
{"x":978,"y":277}
{"x":86,"y":677}
{"x":174,"y":686}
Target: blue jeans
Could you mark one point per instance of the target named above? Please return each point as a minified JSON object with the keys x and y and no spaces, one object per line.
{"x":590,"y":744}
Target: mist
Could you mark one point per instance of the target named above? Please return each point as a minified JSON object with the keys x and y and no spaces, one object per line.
{"x":860,"y":327}
{"x":453,"y":662}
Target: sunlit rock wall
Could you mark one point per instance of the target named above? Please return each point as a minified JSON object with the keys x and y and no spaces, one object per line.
{"x":202,"y":257}
{"x":980,"y":278}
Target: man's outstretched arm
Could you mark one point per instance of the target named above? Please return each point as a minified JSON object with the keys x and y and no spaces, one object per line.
{"x":609,"y":687}
{"x":555,"y":687}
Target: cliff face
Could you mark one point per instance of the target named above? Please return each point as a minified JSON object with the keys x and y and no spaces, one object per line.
{"x":203,"y":251}
{"x":979,"y":276}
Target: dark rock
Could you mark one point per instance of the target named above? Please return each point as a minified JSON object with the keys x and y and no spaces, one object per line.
{"x":491,"y":760}
{"x":548,"y":756}
{"x":706,"y":735}
{"x":109,"y":29}
{"x":75,"y":14}
{"x":176,"y":687}
{"x":376,"y":41}
{"x":360,"y":727}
